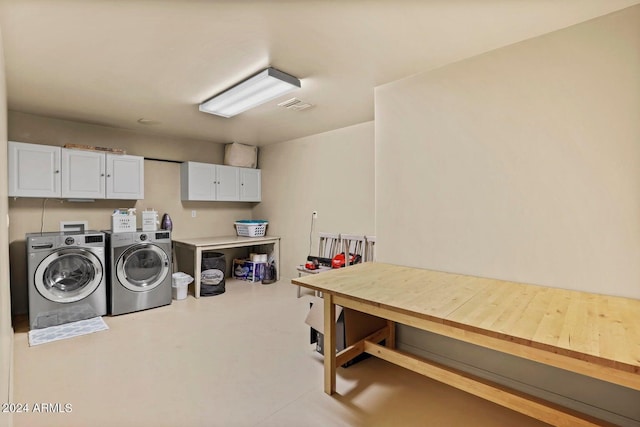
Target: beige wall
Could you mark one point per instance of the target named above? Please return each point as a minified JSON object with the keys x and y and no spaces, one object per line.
{"x":520,"y":164}
{"x":332,"y":173}
{"x":6,"y":331}
{"x":162,"y":188}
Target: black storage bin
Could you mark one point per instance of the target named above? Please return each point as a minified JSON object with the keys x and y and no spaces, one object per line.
{"x":212,"y":274}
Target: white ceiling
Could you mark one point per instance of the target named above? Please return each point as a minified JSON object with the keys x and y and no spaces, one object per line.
{"x":114,"y":62}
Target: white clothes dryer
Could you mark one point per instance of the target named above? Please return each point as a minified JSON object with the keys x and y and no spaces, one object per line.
{"x":66,"y":277}
{"x":140,"y":270}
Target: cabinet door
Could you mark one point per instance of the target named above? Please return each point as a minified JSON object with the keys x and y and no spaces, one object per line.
{"x":197,"y":181}
{"x":83,"y":174}
{"x":125,"y":177}
{"x":34,"y":170}
{"x":227,"y":183}
{"x":250,"y":185}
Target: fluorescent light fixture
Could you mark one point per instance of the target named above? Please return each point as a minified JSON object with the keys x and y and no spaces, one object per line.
{"x":257,"y":89}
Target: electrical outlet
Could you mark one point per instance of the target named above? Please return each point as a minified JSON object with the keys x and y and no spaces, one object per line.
{"x":193,"y":214}
{"x":314,"y":214}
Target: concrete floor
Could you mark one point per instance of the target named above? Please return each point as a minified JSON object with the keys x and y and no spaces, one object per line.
{"x":237,"y":359}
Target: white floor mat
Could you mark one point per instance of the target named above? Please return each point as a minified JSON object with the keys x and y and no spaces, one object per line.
{"x":67,"y":330}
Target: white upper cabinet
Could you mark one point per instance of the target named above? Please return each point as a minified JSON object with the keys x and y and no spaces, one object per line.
{"x":95,"y":175}
{"x":250,"y":185}
{"x":125,"y":177}
{"x":83,"y":174}
{"x":46,"y":171}
{"x":34,"y":170}
{"x":227,"y":183}
{"x":197,"y":181}
{"x":209,"y":182}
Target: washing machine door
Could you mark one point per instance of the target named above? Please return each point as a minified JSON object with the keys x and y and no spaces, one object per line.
{"x":69,"y":275}
{"x":142,"y":267}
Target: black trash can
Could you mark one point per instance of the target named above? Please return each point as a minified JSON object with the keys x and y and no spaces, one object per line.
{"x":212,"y":274}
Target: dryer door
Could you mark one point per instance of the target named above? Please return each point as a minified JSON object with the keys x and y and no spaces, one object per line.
{"x":142,"y":267}
{"x":68,"y":275}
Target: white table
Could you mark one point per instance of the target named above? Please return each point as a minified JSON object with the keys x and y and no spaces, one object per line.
{"x":197,"y":245}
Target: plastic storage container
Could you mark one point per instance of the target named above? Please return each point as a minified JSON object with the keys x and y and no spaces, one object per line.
{"x":251,"y":228}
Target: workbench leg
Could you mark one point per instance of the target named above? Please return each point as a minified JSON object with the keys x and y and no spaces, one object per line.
{"x":391,"y":341}
{"x":197,"y":265}
{"x":329,"y":345}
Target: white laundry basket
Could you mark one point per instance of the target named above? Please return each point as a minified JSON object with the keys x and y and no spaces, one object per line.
{"x":251,"y":228}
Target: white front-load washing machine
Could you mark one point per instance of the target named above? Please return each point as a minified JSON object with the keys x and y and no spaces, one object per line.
{"x":140,"y":270}
{"x":66,"y":277}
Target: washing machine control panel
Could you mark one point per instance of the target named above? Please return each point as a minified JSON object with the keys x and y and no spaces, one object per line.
{"x":143,"y":237}
{"x":69,"y":241}
{"x":98,"y":238}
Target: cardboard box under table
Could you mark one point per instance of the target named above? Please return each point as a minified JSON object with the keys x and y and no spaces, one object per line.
{"x":351,"y":327}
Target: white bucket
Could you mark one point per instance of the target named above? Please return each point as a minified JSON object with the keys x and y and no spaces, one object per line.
{"x":180,"y":285}
{"x":179,"y":291}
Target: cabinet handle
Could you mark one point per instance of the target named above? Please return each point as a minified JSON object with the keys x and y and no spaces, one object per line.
{"x":57,"y":171}
{"x":101,"y":174}
{"x":108,"y":176}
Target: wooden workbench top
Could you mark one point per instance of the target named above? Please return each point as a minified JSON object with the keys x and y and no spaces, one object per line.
{"x":599,"y":329}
